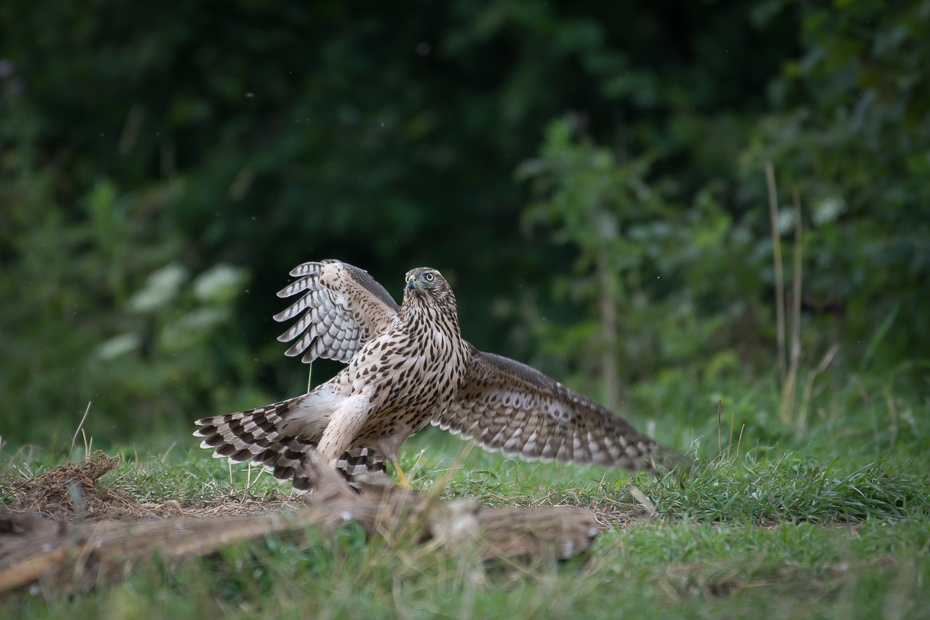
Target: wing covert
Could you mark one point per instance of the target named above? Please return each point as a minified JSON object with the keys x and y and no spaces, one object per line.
{"x":503,"y":404}
{"x":341,"y":309}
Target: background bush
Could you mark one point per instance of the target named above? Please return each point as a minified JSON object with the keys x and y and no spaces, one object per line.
{"x":588,"y":175}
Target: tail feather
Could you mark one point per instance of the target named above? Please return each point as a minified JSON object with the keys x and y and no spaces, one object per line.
{"x":257,"y":435}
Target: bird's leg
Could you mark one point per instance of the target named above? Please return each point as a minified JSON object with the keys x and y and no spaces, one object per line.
{"x":402,"y":480}
{"x":343,"y":426}
{"x":389,"y":446}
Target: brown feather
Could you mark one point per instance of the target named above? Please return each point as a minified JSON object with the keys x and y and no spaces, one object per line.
{"x":408,"y":366}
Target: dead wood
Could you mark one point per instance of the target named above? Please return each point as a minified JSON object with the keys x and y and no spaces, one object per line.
{"x":60,"y":554}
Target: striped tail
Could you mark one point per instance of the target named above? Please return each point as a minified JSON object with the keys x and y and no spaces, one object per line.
{"x":254,"y":435}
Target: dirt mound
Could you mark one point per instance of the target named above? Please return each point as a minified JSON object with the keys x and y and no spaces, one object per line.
{"x":70,"y":491}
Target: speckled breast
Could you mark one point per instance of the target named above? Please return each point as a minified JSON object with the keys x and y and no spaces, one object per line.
{"x":420,"y":367}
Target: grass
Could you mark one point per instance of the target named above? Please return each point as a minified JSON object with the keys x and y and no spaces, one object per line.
{"x":834,"y":523}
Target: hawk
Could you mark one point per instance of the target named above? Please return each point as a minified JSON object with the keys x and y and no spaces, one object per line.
{"x":407,"y":366}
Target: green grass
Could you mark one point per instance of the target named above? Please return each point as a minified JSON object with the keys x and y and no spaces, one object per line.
{"x":834,"y":522}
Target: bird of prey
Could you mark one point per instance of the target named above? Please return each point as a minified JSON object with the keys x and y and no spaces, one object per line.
{"x":408,"y":366}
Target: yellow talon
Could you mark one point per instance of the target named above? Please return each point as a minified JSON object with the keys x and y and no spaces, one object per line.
{"x":402,"y":480}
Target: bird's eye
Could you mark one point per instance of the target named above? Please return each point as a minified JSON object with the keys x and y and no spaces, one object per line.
{"x":429,"y":277}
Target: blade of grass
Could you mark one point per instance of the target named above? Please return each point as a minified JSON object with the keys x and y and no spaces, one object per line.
{"x":878,"y":337}
{"x":787,"y":394}
{"x":78,"y":430}
{"x":779,"y":277}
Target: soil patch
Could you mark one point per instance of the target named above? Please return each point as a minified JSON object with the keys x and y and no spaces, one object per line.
{"x":70,"y":491}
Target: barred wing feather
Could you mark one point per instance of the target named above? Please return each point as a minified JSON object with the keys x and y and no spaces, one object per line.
{"x":508,"y":406}
{"x":343,"y":308}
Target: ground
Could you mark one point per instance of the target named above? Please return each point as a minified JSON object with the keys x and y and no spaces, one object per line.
{"x":830,"y":524}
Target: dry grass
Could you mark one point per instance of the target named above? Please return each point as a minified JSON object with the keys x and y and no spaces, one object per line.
{"x":70,"y":492}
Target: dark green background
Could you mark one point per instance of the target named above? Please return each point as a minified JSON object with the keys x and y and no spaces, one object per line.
{"x":495,"y":140}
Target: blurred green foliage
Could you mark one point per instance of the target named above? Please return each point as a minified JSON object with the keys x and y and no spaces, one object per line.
{"x":163,"y":167}
{"x":673,"y":279}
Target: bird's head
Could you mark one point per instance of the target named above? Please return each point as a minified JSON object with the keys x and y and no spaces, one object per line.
{"x":427,"y":286}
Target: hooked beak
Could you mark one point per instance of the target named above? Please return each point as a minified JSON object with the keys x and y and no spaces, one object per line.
{"x":412,"y":283}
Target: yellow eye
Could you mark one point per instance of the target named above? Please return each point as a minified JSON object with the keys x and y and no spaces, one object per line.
{"x":429,"y":277}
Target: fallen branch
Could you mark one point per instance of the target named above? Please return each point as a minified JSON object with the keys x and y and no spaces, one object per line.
{"x":32,"y":547}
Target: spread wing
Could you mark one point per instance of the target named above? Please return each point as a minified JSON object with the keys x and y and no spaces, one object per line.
{"x":343,"y":308}
{"x":503,"y":404}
